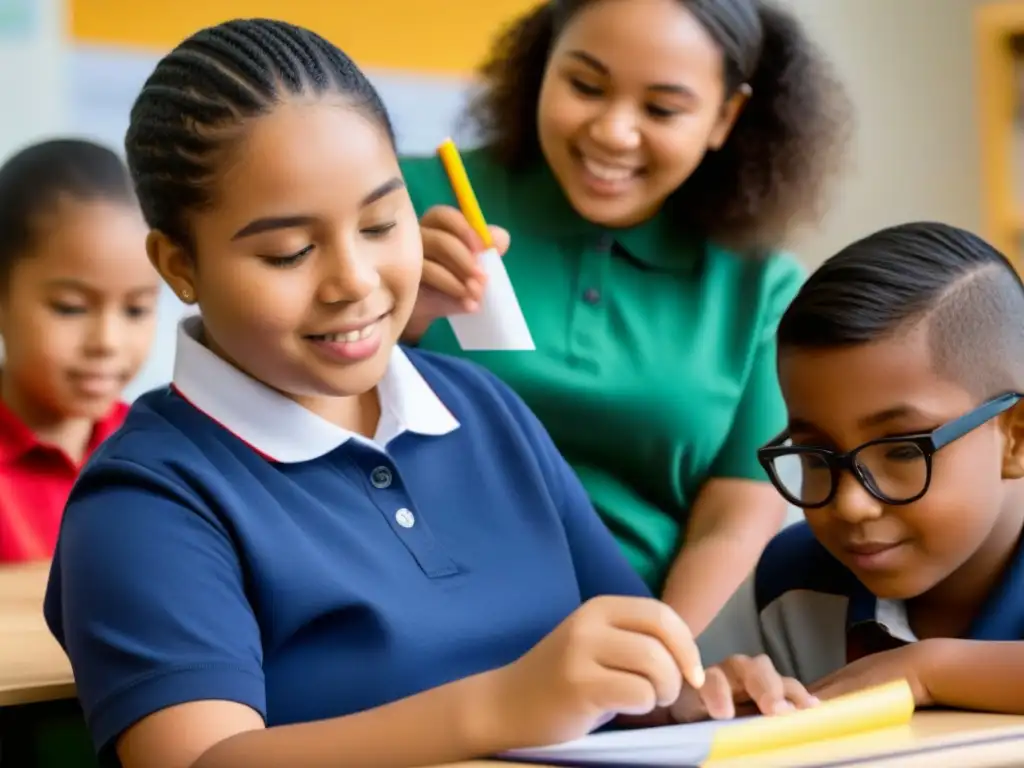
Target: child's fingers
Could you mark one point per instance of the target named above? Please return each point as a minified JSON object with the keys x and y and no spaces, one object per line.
{"x":756,"y":680}
{"x":444,"y":248}
{"x":449,"y":219}
{"x":501,"y":238}
{"x":655,"y":618}
{"x":798,"y":695}
{"x":716,"y":696}
{"x":441,"y":279}
{"x":765,"y":687}
{"x":645,"y":656}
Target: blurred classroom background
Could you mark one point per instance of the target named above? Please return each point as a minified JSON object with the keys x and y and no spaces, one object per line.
{"x":933,"y":82}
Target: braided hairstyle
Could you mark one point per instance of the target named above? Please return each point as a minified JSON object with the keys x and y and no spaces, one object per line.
{"x":197,"y":102}
{"x":773,"y":172}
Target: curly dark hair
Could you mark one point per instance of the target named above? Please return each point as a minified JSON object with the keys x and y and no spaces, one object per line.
{"x":774,"y":170}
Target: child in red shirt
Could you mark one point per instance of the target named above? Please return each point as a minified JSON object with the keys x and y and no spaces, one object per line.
{"x":77,"y":314}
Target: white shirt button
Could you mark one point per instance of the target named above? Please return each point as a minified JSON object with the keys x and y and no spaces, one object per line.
{"x":381,"y":477}
{"x":405,"y":518}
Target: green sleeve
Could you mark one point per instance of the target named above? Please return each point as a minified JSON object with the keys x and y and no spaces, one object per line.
{"x":761,"y":413}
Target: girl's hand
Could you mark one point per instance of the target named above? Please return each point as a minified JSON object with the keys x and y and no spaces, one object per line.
{"x":612,"y":655}
{"x":743,"y":685}
{"x":452,"y":281}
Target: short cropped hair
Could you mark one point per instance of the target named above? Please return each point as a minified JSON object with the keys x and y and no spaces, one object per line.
{"x":35,"y":179}
{"x":966,"y":292}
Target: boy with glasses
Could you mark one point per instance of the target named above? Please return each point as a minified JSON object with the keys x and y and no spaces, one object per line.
{"x":902,"y":364}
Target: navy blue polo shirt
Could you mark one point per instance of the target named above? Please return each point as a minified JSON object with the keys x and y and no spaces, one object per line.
{"x":229,"y":544}
{"x":815,"y":616}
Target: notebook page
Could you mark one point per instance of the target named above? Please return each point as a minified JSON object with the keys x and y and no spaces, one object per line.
{"x":693,"y":744}
{"x":668,"y":745}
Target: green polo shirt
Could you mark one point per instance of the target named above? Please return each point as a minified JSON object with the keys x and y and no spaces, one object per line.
{"x":655,"y":362}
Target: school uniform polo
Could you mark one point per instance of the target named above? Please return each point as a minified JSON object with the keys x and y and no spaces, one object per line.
{"x":816,"y":616}
{"x":229,"y":544}
{"x":35,"y":480}
{"x":655,"y":362}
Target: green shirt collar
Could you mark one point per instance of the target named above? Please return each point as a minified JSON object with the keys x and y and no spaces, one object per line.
{"x":544,"y":208}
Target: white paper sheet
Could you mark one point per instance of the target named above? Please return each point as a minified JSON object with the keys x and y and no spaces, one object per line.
{"x":673,"y":746}
{"x":498,"y":325}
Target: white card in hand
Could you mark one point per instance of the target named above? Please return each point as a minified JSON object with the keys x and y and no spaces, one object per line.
{"x":498,"y":325}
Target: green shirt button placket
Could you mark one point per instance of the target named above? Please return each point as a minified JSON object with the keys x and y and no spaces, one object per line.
{"x":589,"y":320}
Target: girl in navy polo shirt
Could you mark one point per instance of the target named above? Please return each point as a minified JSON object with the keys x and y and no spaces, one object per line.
{"x":77,"y":312}
{"x":316,"y":548}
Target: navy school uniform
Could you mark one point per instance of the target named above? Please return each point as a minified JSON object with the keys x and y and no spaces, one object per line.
{"x":229,"y":544}
{"x":816,"y":616}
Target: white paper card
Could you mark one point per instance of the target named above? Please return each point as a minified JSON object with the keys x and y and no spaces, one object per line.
{"x":670,"y":746}
{"x":498,"y":325}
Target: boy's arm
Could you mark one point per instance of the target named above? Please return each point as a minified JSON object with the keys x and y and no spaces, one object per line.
{"x":981,"y":675}
{"x":973,"y":674}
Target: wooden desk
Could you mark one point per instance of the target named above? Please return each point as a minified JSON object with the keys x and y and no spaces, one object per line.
{"x":33,"y":667}
{"x":933,"y":740}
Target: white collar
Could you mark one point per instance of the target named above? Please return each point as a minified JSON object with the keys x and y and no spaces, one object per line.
{"x":892,"y":614}
{"x":281,"y":429}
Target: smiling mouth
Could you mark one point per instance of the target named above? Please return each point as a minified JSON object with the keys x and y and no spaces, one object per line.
{"x":870,"y":549}
{"x":96,"y":384}
{"x":609,"y":173}
{"x":874,"y":557}
{"x":606,"y":173}
{"x":350,"y":335}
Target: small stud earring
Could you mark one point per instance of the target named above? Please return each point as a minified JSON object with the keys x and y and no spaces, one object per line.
{"x":186,"y":295}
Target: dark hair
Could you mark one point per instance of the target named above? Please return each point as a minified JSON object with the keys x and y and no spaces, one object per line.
{"x":771,"y":174}
{"x":200,"y":95}
{"x":36,"y":178}
{"x":893,"y":281}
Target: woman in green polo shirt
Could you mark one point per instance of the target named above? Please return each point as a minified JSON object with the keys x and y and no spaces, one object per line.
{"x":646,"y":158}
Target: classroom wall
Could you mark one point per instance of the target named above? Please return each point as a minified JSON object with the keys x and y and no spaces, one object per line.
{"x":31,"y":76}
{"x":909,"y":65}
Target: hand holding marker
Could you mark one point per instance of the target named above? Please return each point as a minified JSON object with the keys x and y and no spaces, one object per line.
{"x":499,"y":323}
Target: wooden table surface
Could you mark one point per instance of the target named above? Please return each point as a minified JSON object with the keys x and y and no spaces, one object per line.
{"x":33,"y":666}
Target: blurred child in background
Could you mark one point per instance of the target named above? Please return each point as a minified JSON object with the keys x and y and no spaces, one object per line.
{"x":77,"y":314}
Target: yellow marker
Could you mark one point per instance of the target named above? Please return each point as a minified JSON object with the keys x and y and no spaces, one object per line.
{"x":459,"y":180}
{"x":885,"y":706}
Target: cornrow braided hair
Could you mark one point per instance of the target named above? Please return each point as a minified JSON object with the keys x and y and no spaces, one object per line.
{"x":199,"y":96}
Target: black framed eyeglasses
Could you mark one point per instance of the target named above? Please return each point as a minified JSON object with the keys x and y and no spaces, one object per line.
{"x":895,"y":470}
